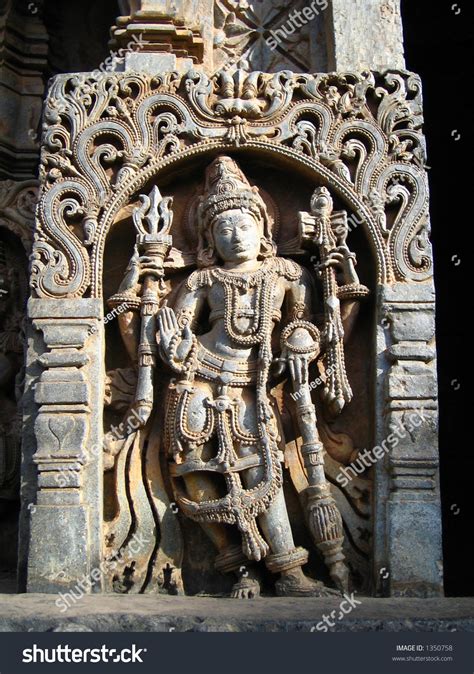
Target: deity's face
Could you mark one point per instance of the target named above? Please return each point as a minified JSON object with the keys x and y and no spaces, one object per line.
{"x":237,"y":236}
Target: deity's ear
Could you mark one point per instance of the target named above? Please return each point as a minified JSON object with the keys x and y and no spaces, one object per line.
{"x":206,"y":253}
{"x":267,"y":247}
{"x":206,"y":256}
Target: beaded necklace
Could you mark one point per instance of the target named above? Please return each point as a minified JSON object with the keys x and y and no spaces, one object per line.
{"x":263,"y":281}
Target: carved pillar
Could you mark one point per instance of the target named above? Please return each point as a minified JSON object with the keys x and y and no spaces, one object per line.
{"x":66,"y":516}
{"x":408,"y":514}
{"x":159,"y":35}
{"x":364,"y":34}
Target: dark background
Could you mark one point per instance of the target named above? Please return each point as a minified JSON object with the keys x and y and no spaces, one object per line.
{"x":439,"y":47}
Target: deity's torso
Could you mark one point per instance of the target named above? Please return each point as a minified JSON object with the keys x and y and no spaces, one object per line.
{"x":244,"y":307}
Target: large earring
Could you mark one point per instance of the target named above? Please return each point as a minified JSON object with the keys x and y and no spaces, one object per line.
{"x":267,"y":248}
{"x":206,"y":257}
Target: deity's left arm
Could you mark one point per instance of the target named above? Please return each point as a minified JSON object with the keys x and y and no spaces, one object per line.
{"x":299,"y":335}
{"x":349,"y":292}
{"x":300,"y":297}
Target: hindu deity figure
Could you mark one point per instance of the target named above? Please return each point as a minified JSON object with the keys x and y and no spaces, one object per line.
{"x":241,"y":322}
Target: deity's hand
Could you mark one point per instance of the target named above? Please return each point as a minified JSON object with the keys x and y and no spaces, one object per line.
{"x":298,"y":365}
{"x":138,"y":268}
{"x":300,"y":342}
{"x":174,"y":342}
{"x":149,"y":266}
{"x":342,"y":260}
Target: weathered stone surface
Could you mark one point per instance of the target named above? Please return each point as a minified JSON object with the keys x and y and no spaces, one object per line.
{"x":194,"y":114}
{"x":267,"y":35}
{"x":380,"y":24}
{"x":17,"y":202}
{"x":199,"y":614}
{"x":24,"y":47}
{"x":64,"y":494}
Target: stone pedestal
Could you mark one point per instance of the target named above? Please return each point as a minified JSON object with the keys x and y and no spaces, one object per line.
{"x":111,"y":613}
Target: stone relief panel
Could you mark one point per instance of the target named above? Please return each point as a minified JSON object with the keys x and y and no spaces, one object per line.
{"x":268,"y":36}
{"x":139,"y":458}
{"x":323,"y":165}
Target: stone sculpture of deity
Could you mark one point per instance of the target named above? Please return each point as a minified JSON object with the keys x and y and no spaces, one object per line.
{"x":240,"y":322}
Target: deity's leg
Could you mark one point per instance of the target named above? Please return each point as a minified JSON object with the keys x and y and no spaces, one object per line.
{"x":230,"y":558}
{"x":285,"y":559}
{"x":200,"y":488}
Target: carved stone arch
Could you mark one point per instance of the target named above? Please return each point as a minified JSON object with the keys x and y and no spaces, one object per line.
{"x":327,"y":122}
{"x":308,"y":166}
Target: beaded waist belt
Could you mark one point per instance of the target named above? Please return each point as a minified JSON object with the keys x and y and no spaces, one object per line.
{"x":236,"y":372}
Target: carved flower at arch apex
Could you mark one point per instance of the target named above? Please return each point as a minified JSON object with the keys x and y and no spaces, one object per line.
{"x":241,"y":28}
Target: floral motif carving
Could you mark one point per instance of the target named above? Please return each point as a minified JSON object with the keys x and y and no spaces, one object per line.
{"x":241,"y":30}
{"x":360,"y":135}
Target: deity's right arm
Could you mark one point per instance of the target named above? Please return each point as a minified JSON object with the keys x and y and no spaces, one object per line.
{"x":125,"y":305}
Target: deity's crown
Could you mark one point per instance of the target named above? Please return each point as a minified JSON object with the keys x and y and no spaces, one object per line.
{"x":227,"y":188}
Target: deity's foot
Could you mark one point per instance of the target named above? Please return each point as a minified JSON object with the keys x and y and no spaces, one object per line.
{"x":299,"y":585}
{"x":246,"y":588}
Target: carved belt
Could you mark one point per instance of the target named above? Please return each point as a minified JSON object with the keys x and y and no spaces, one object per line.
{"x":196,"y":465}
{"x":212,"y":367}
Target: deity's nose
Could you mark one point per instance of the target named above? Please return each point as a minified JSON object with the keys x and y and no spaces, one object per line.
{"x":238,"y":234}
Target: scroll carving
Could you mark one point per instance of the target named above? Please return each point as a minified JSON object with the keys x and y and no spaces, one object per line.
{"x":360,"y":134}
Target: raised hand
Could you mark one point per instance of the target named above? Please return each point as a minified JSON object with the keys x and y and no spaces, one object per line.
{"x":175,"y":343}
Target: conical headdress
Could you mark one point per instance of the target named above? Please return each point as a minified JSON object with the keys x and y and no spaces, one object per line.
{"x":227,"y":188}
